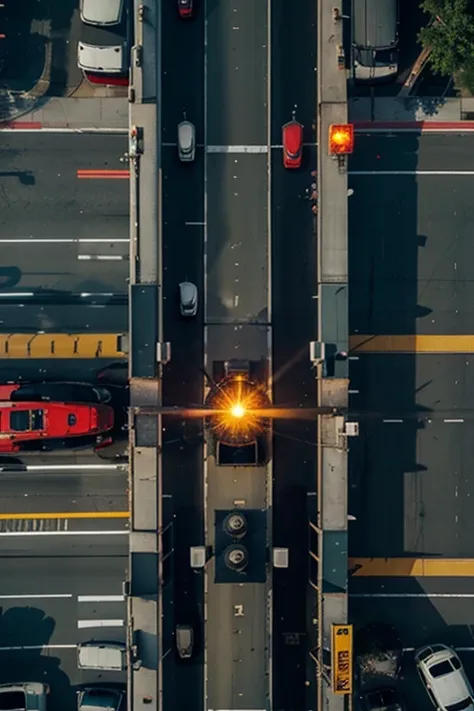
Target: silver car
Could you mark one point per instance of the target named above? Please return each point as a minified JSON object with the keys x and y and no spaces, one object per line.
{"x":444,"y":678}
{"x":188,"y":298}
{"x":186,"y":141}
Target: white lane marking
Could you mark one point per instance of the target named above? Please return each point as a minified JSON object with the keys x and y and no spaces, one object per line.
{"x":100,"y":598}
{"x":100,"y":257}
{"x":237,"y":149}
{"x":32,"y":647}
{"x":52,"y":596}
{"x":396,"y":596}
{"x":13,"y":534}
{"x":461,"y":420}
{"x":61,"y":467}
{"x":191,"y":224}
{"x":353,"y":392}
{"x":458,"y":649}
{"x":89,"y":624}
{"x":411,"y":172}
{"x":240,"y":149}
{"x":392,"y":421}
{"x":18,"y":129}
{"x":64,"y":240}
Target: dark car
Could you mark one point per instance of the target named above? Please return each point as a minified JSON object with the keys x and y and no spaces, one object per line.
{"x":185,"y":9}
{"x":382,"y":699}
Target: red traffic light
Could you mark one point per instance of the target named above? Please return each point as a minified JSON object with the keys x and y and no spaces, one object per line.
{"x":341,"y":139}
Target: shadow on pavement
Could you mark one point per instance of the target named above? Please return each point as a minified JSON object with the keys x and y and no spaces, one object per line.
{"x":23,"y":51}
{"x":383,"y":267}
{"x":30,"y":627}
{"x":29,"y":27}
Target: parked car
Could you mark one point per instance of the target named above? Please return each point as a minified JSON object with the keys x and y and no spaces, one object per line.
{"x":382,"y":699}
{"x":445,"y":680}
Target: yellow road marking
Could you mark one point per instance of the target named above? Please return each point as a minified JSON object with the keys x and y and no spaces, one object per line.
{"x":62,"y":345}
{"x":412,"y":567}
{"x":71,"y":514}
{"x":411,"y":344}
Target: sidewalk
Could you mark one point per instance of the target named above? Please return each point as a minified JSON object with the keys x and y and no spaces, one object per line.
{"x":411,"y":110}
{"x":73,"y":114}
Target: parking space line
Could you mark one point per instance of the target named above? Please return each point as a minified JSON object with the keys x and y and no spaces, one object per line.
{"x":65,"y":240}
{"x":115,"y":532}
{"x":64,"y":515}
{"x":411,"y":172}
{"x":90,"y":624}
{"x":53,"y":596}
{"x":99,"y":598}
{"x":37,"y":647}
{"x":103,"y":174}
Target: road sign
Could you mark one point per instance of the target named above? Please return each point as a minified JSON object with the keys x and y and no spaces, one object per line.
{"x":341,"y":659}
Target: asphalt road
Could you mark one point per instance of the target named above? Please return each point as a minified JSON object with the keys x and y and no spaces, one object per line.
{"x":237,"y":294}
{"x":237,"y":260}
{"x":294,"y":313}
{"x":41,"y":198}
{"x":63,"y":491}
{"x":411,"y":481}
{"x":183,"y":236}
{"x":56,"y":591}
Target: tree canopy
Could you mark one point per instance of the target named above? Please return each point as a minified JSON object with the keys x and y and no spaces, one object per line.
{"x":449,"y":34}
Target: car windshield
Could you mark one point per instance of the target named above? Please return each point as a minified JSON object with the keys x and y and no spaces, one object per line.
{"x":26,"y":420}
{"x":441,"y":669}
{"x":464,"y":704}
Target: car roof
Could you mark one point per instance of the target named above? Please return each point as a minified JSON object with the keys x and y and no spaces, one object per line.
{"x":100,"y":59}
{"x":292,"y":136}
{"x":451,"y":687}
{"x":187,"y":292}
{"x":186,"y":133}
{"x":101,"y":12}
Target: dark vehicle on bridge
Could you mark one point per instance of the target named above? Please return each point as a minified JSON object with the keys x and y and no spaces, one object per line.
{"x":185,"y":9}
{"x":42,"y":416}
{"x":375,"y":40}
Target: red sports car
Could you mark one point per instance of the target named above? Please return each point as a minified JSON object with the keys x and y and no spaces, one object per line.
{"x":292,"y":139}
{"x":32,"y":419}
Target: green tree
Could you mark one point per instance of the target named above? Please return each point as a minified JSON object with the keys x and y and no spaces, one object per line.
{"x":449,"y":34}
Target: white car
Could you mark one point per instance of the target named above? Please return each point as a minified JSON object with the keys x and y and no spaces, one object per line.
{"x":444,"y":677}
{"x":186,"y":141}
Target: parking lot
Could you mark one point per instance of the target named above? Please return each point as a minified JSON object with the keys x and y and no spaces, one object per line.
{"x":38,"y":55}
{"x":412,"y":481}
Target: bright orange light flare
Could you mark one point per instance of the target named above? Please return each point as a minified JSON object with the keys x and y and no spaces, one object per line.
{"x":237,"y":410}
{"x":341,"y":139}
{"x":236,"y":407}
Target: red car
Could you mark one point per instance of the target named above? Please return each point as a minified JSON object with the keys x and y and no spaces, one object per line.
{"x":292,"y":139}
{"x":30,"y":419}
{"x":185,"y":9}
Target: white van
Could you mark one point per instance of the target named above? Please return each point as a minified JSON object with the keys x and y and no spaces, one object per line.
{"x":106,"y":656}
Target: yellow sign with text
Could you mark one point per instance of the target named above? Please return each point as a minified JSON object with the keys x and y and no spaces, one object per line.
{"x":341,"y":659}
